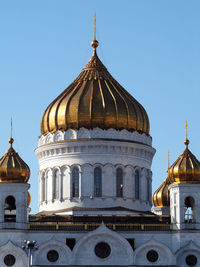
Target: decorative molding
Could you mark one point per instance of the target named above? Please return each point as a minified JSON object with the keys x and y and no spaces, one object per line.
{"x":97,"y":133}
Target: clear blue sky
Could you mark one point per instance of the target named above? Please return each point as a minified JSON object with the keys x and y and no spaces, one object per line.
{"x":151,"y":47}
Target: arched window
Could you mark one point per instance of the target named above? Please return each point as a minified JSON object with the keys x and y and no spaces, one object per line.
{"x":148,"y":197}
{"x":97,"y":182}
{"x":75,"y":182}
{"x":56,"y":184}
{"x":137,"y":185}
{"x":43,"y":187}
{"x":189,"y":210}
{"x":10,"y":209}
{"x":119,"y":182}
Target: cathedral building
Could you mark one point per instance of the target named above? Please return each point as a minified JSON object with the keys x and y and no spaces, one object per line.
{"x":95,"y":187}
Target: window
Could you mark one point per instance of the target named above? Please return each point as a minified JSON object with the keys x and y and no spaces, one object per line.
{"x":52,"y":255}
{"x":152,"y":255}
{"x":189,"y":210}
{"x":43,"y":188}
{"x":148,"y":197}
{"x":75,"y":182}
{"x":56,"y":184}
{"x":137,"y":186}
{"x":97,"y":182}
{"x":119,"y":182}
{"x":70,"y":242}
{"x":10,"y":209}
{"x":102,"y":250}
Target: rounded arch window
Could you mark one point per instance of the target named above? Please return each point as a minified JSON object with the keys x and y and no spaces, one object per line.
{"x":10,"y":203}
{"x":56,"y":184}
{"x":97,"y":182}
{"x":189,"y":209}
{"x":52,"y":255}
{"x":43,"y":187}
{"x":102,"y":250}
{"x":137,"y":184}
{"x":9,"y":260}
{"x":191,"y":260}
{"x":152,"y":255}
{"x":119,"y":182}
{"x":75,"y":182}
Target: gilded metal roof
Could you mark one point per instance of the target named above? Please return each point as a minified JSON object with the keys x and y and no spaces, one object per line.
{"x":12,"y":168}
{"x":161,"y":196}
{"x":186,"y":169}
{"x":95,"y":99}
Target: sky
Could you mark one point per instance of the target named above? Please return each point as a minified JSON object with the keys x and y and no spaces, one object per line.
{"x":151,"y":47}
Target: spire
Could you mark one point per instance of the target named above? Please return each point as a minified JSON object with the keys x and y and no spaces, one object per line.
{"x":11,"y":140}
{"x":94,"y":43}
{"x":186,"y":142}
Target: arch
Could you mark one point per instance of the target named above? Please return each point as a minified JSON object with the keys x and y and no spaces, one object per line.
{"x":75,"y":182}
{"x":56,"y":182}
{"x":121,"y":251}
{"x":65,"y":254}
{"x":137,"y":184}
{"x":97,"y":182}
{"x":165,"y":255}
{"x":10,"y":209}
{"x":189,"y":209}
{"x":119,"y":182}
{"x":189,"y":249}
{"x":17,"y":252}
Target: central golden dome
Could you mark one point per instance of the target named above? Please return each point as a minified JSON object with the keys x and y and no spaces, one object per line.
{"x":95,"y":99}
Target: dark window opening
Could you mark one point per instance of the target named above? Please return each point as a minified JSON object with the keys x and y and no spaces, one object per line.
{"x":10,"y":209}
{"x":9,"y":260}
{"x":97,"y":182}
{"x":191,"y":260}
{"x":119,"y":187}
{"x":152,"y":255}
{"x":102,"y":250}
{"x":52,"y":255}
{"x":70,"y":242}
{"x":189,"y":210}
{"x":131,"y":242}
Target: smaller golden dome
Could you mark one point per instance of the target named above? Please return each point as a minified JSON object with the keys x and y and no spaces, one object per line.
{"x":186,"y":169}
{"x":28,"y":199}
{"x":12,"y":168}
{"x":161,"y":196}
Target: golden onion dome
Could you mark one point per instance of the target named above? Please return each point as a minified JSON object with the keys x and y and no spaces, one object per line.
{"x":95,"y":99}
{"x":186,"y":169}
{"x":161,"y":196}
{"x":12,"y":168}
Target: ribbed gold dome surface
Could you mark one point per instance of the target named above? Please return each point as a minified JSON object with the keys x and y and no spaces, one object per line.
{"x":12,"y":168}
{"x":186,"y":169}
{"x":94,"y":99}
{"x":161,"y":196}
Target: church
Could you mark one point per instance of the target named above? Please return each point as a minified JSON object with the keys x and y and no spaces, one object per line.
{"x":95,"y":186}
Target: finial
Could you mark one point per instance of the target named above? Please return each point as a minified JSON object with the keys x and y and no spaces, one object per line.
{"x":95,"y":25}
{"x":94,"y":43}
{"x":11,"y":140}
{"x":186,"y":142}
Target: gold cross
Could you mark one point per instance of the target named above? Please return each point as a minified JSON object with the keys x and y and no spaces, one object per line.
{"x":95,"y":26}
{"x":186,"y":126}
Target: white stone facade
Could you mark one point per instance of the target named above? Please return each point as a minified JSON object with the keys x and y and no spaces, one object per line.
{"x":172,"y":248}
